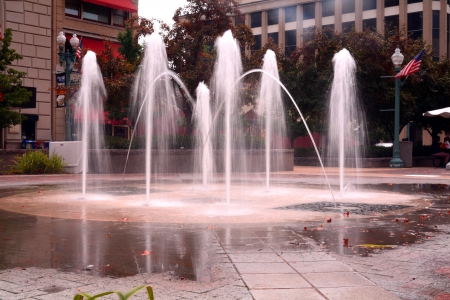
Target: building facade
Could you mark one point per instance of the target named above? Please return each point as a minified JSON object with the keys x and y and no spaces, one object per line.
{"x":287,"y":21}
{"x":35,"y":25}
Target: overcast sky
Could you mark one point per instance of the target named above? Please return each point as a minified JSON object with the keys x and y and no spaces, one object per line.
{"x":161,"y":9}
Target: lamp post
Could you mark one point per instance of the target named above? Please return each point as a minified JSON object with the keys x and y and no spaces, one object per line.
{"x":397,"y":59}
{"x":69,"y":58}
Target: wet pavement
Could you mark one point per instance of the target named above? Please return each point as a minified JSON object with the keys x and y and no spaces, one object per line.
{"x":382,"y":254}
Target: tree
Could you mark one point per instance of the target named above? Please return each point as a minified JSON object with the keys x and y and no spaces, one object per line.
{"x":14,"y":95}
{"x":190,"y":41}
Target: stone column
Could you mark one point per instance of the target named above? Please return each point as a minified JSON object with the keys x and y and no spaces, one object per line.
{"x":318,"y":13}
{"x":380,"y":16}
{"x":338,"y":15}
{"x":263,"y":28}
{"x":443,"y":41}
{"x":427,"y":28}
{"x":281,"y":29}
{"x":299,"y":26}
{"x":358,"y":15}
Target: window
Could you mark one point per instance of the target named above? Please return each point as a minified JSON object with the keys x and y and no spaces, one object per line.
{"x":119,"y":16}
{"x":435,"y":35}
{"x":291,"y":41}
{"x":415,"y":24}
{"x":309,"y":11}
{"x":369,"y":4}
{"x":73,"y":8}
{"x":327,"y":8}
{"x":255,"y":19}
{"x":414,"y":1}
{"x":328,"y":30}
{"x":272,"y":17}
{"x":290,"y":14}
{"x":257,"y":45}
{"x":273,"y":36}
{"x":389,"y":3}
{"x":348,"y":6}
{"x":391,"y":23}
{"x":308,"y":34}
{"x":96,"y":13}
{"x":348,"y":26}
{"x":370,"y":24}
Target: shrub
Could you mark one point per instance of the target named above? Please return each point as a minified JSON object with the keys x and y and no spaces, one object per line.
{"x":37,"y":162}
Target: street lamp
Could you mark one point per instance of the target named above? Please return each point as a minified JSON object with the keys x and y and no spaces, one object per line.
{"x":397,"y":59}
{"x":69,"y":58}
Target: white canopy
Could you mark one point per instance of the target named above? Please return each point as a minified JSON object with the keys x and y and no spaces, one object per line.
{"x":443,"y":112}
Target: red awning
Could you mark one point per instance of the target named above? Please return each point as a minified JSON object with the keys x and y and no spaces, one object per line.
{"x":125,"y":5}
{"x":95,"y":45}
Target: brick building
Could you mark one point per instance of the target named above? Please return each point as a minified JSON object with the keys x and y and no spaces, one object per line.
{"x":35,"y":25}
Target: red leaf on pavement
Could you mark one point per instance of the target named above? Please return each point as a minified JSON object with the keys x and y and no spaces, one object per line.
{"x":145,"y":252}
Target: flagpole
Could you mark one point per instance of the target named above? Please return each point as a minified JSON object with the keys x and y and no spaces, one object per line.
{"x":396,"y":161}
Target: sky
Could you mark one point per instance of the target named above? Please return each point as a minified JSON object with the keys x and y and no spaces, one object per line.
{"x":161,"y":9}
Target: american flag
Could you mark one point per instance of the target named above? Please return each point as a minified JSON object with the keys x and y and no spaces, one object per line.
{"x":412,"y":67}
{"x":79,"y":48}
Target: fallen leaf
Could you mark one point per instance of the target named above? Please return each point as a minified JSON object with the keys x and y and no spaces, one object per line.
{"x":39,"y":192}
{"x":125,"y":219}
{"x":396,"y":220}
{"x":145,"y":252}
{"x":108,"y":234}
{"x":328,"y":220}
{"x":406,"y":220}
{"x":23,"y":206}
{"x":305,"y":228}
{"x":346,"y":242}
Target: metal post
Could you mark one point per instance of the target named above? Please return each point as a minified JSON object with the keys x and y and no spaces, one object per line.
{"x":67,"y":58}
{"x":396,"y":162}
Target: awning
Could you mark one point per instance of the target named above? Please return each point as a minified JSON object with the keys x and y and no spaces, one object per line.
{"x":95,"y":45}
{"x":443,"y":112}
{"x":125,"y":5}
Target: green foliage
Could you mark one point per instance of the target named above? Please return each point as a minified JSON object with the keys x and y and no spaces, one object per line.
{"x":121,"y":296}
{"x":37,"y":162}
{"x":129,"y":47}
{"x":14,"y":94}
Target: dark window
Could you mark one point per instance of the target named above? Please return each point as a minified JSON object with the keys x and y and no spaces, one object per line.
{"x":414,"y":1}
{"x":370,"y":24}
{"x":96,"y":13}
{"x":308,"y":34}
{"x":448,"y":33}
{"x":327,"y":8}
{"x":255,"y":19}
{"x":309,"y":11}
{"x":119,"y":17}
{"x":291,"y":41}
{"x":347,"y":26}
{"x":273,"y":36}
{"x":391,"y":23}
{"x":272,"y":17}
{"x":348,"y":6}
{"x":435,"y":34}
{"x":415,"y":24}
{"x":73,"y":8}
{"x":389,"y":3}
{"x":369,"y":4}
{"x":238,"y":21}
{"x":257,"y":45}
{"x":328,"y":29}
{"x":290,"y":14}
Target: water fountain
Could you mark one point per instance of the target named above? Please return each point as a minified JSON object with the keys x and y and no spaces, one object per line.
{"x":346,"y":120}
{"x":271,"y":112}
{"x":203,"y":160}
{"x":89,"y":102}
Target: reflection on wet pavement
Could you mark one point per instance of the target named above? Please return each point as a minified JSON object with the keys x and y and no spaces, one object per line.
{"x":120,"y":249}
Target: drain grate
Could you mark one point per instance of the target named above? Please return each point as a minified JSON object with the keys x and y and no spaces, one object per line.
{"x":341,"y":207}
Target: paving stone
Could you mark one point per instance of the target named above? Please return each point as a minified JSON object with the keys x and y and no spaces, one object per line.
{"x":263,"y":268}
{"x":255,"y":257}
{"x":287,"y":294}
{"x":358,"y":293}
{"x":273,"y":281}
{"x":336,"y":279}
{"x":320,"y":266}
